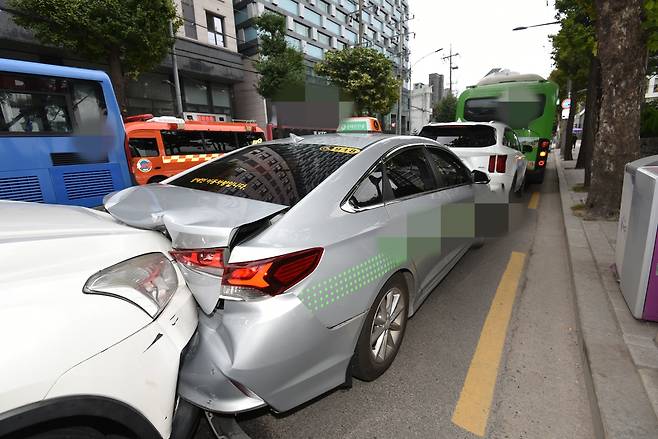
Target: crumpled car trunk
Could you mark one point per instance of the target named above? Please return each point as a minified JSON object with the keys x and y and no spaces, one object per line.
{"x":193,"y":219}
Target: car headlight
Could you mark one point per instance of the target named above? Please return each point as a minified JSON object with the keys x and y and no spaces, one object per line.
{"x":148,"y":281}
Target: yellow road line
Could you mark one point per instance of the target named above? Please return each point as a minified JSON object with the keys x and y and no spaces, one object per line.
{"x":534,"y":201}
{"x":472,"y":411}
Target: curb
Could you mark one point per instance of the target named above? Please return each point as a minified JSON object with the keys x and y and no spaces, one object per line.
{"x":618,"y":401}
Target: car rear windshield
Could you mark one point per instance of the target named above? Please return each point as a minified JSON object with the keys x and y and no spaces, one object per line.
{"x":461,"y":136}
{"x":279,"y":173}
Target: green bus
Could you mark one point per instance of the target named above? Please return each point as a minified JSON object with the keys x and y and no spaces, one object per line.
{"x":527,"y":103}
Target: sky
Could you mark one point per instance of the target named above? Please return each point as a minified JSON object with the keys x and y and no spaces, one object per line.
{"x":481,"y":32}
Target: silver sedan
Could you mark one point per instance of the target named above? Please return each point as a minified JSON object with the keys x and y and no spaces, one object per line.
{"x":306,"y":257}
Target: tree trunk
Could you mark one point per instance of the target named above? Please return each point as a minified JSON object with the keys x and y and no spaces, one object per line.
{"x":622,"y":52}
{"x":590,"y":125}
{"x":118,"y":80}
{"x":568,"y":142}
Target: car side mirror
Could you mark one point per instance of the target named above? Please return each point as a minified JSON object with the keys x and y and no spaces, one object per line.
{"x":527,"y":148}
{"x":480,"y":177}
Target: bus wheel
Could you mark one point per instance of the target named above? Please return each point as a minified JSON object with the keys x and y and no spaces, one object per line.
{"x":156,"y":179}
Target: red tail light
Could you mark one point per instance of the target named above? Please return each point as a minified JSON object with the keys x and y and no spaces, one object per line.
{"x":501,"y":162}
{"x":206,"y":260}
{"x":541,"y":163}
{"x":270,"y":276}
{"x":497,"y":163}
{"x":544,"y":143}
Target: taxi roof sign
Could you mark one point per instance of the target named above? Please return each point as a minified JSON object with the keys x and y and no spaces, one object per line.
{"x":359,"y":125}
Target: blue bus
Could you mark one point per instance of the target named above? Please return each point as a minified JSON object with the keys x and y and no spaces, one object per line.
{"x":62,"y":138}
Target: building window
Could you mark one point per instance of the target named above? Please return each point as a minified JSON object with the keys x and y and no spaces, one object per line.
{"x":332,"y":26}
{"x":250,"y":34}
{"x":314,"y":51}
{"x":289,"y":6}
{"x":294,"y":42}
{"x":324,"y":39}
{"x":313,"y":17}
{"x":350,"y":6}
{"x":188,"y":16}
{"x":302,"y":29}
{"x":351,"y":36}
{"x":215,"y":30}
{"x":241,"y":15}
{"x":323,"y":6}
{"x":340,"y":16}
{"x":340,"y":45}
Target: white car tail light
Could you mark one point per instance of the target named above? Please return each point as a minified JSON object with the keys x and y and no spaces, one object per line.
{"x":254,"y":279}
{"x":148,"y":281}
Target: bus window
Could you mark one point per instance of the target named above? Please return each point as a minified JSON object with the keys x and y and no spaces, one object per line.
{"x":219,"y":141}
{"x":183,"y":142}
{"x":143,"y":147}
{"x":247,"y":138}
{"x":517,"y":113}
{"x":48,"y":105}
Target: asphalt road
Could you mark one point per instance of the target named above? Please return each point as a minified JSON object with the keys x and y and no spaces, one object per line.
{"x":539,"y":390}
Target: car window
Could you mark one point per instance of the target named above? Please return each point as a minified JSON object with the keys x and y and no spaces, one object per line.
{"x":370,"y":190}
{"x":183,"y":142}
{"x":219,"y":141}
{"x":461,"y":136}
{"x":509,"y":139}
{"x":409,"y":173}
{"x":281,"y":173}
{"x":143,"y":147}
{"x":517,"y":142}
{"x":450,"y":170}
{"x":247,"y":138}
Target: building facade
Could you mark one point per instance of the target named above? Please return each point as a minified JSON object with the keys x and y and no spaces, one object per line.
{"x":652,"y":88}
{"x":318,"y":26}
{"x":209,"y":64}
{"x":421,"y":106}
{"x":437,"y":82}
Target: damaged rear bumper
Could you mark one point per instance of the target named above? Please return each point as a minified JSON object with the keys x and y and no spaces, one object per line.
{"x":202,"y":383}
{"x":273,"y":352}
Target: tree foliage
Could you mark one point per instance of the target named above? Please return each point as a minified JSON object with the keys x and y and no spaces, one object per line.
{"x":574,"y":44}
{"x":132,"y":36}
{"x":280,"y":66}
{"x":366,"y":75}
{"x":446,"y":109}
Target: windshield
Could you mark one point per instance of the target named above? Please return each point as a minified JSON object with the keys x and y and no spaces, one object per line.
{"x":517,"y":112}
{"x":280,"y":173}
{"x":461,"y":136}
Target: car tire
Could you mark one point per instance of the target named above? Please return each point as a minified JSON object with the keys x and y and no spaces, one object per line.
{"x":56,"y":430}
{"x":374,"y":353}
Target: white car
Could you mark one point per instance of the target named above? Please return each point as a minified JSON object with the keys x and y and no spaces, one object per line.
{"x":489,"y":147}
{"x":93,"y":320}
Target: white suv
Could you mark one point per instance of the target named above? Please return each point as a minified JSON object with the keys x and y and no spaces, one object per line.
{"x":93,"y":319}
{"x":489,"y":147}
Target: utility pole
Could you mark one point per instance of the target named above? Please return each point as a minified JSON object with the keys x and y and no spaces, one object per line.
{"x":450,"y":57}
{"x":360,"y":18}
{"x":174,"y":68}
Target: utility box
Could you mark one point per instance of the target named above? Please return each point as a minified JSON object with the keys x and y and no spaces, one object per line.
{"x":637,"y":250}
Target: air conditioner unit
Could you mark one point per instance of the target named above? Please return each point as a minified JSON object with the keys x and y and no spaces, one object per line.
{"x":207,"y":117}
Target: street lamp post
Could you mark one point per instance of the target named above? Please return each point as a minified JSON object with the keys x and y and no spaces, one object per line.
{"x":535,"y":25}
{"x":404,"y":73}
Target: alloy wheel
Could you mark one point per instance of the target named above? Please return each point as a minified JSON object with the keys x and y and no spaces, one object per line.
{"x":386,"y":330}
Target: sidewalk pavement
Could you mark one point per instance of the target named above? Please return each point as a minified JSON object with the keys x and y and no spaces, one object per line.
{"x":620,"y":351}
